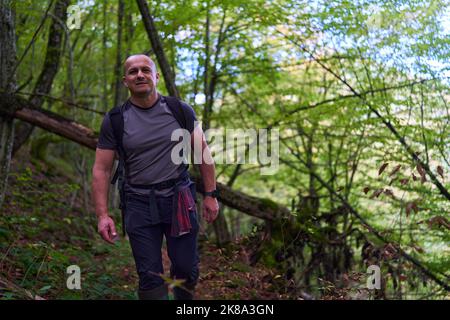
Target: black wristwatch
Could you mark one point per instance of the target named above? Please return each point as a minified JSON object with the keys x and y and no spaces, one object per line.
{"x":214,"y":193}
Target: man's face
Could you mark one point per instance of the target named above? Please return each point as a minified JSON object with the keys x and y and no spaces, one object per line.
{"x":140,"y":76}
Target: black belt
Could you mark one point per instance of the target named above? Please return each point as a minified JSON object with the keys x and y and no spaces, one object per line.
{"x":163,"y":184}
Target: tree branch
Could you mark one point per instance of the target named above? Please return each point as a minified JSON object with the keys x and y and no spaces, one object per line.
{"x":158,"y":48}
{"x":386,"y":122}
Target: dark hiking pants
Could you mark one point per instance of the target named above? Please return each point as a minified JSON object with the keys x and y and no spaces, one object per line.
{"x":146,"y":232}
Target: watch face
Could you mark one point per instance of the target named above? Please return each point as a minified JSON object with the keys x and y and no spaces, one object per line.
{"x":213,"y":194}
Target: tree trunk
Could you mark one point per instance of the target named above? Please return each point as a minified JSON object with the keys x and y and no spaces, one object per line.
{"x":206,"y":112}
{"x":7,"y":85}
{"x":6,"y":142}
{"x":221,"y":230}
{"x":129,"y":34}
{"x":49,"y":69}
{"x":158,"y":49}
{"x":119,"y":89}
{"x":104,"y":63}
{"x":220,"y":224}
{"x":120,"y":92}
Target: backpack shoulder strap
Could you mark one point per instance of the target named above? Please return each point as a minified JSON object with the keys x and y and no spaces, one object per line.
{"x":183,"y":113}
{"x":116,"y":118}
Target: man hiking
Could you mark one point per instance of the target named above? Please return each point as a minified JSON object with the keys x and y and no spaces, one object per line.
{"x":157,"y":195}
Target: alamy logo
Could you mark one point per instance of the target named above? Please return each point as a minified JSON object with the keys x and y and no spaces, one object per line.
{"x":73,"y":17}
{"x":74,"y":280}
{"x":231,"y":146}
{"x":374,"y":279}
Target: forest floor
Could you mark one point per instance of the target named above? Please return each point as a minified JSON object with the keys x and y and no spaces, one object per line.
{"x":46,"y":226}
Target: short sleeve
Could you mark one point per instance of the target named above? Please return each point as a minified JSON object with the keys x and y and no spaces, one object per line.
{"x":106,"y":139}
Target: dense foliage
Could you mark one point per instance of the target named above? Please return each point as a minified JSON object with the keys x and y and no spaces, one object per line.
{"x":354,"y":88}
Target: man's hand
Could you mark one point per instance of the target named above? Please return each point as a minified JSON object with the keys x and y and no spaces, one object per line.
{"x":107,"y":229}
{"x":210,"y":209}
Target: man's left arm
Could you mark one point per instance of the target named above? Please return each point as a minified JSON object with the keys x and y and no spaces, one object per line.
{"x":208,"y":172}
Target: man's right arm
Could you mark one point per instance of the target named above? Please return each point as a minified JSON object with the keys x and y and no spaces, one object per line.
{"x":101,"y":174}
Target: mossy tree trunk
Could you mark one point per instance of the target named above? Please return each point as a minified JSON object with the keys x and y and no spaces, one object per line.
{"x":49,"y":69}
{"x":7,"y":85}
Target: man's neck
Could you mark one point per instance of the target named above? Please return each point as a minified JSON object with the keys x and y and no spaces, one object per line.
{"x":145,"y":101}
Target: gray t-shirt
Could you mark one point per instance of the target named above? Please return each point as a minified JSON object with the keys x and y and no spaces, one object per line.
{"x":147,"y":145}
